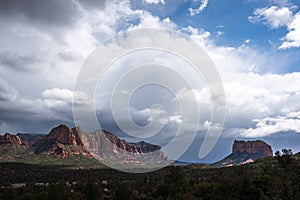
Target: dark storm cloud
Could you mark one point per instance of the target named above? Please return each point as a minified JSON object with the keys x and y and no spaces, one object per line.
{"x":25,"y":115}
{"x":55,"y":12}
{"x":50,"y":12}
{"x":93,"y":4}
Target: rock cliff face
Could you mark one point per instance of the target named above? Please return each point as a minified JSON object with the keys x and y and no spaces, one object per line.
{"x":64,"y":135}
{"x":10,"y":139}
{"x":245,"y":152}
{"x":103,"y":144}
{"x":61,"y":141}
{"x":253,"y":147}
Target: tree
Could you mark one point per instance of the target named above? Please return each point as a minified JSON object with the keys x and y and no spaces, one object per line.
{"x":286,"y":158}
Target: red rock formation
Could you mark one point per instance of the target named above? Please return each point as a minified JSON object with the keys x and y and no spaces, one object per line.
{"x":10,"y":139}
{"x":61,"y":141}
{"x":103,"y":144}
{"x":64,"y":135}
{"x":253,"y":147}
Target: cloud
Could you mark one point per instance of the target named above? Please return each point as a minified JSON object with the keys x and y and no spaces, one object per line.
{"x":53,"y":12}
{"x":7,"y":92}
{"x":268,"y":126}
{"x":273,"y":16}
{"x":25,"y":114}
{"x":199,"y":34}
{"x":292,"y":38}
{"x":19,"y":62}
{"x":53,"y":44}
{"x":93,"y":4}
{"x":149,"y":21}
{"x":203,"y":5}
{"x":281,"y":16}
{"x":30,"y":41}
{"x":154,"y":1}
{"x":281,"y":2}
{"x":59,"y":95}
{"x":64,"y":97}
{"x":71,"y":55}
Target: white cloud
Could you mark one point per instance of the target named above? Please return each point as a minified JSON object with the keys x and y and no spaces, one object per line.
{"x":58,"y":94}
{"x":149,"y":21}
{"x":268,"y":126}
{"x":175,"y":119}
{"x":203,"y":5}
{"x":154,"y":1}
{"x":274,"y":16}
{"x":249,"y":95}
{"x":281,"y":16}
{"x":58,"y":99}
{"x":200,"y":35}
{"x":247,"y":41}
{"x":292,"y":38}
{"x":64,"y":97}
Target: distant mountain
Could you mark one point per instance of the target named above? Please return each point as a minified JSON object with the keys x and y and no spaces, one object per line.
{"x":8,"y":138}
{"x":245,"y":152}
{"x":29,"y":139}
{"x":105,"y":146}
{"x":64,"y":144}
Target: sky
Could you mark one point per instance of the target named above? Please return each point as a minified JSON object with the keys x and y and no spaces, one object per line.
{"x":254,"y":44}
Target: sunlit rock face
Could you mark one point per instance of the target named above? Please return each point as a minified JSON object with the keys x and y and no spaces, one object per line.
{"x":65,"y":135}
{"x":103,"y":144}
{"x":244,"y":152}
{"x":253,"y":147}
{"x":61,"y":141}
{"x":7,"y":138}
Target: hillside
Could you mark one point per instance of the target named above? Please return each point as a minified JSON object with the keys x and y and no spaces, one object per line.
{"x":75,"y":147}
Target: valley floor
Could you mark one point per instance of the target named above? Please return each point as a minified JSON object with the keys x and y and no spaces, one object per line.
{"x":264,"y":179}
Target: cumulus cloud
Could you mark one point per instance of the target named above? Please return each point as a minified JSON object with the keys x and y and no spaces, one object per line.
{"x":32,"y":115}
{"x":202,"y":6}
{"x":154,"y":1}
{"x":280,"y":16}
{"x":149,"y":21}
{"x":271,"y":99}
{"x":199,"y":34}
{"x":57,"y":97}
{"x":268,"y":126}
{"x":292,"y":38}
{"x":52,"y":40}
{"x":60,"y":97}
{"x":273,"y":16}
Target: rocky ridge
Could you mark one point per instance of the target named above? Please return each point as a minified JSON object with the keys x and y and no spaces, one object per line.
{"x":63,"y":142}
{"x":245,"y":152}
{"x":8,"y":138}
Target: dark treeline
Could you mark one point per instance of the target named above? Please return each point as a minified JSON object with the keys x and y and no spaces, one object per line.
{"x":269,"y":178}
